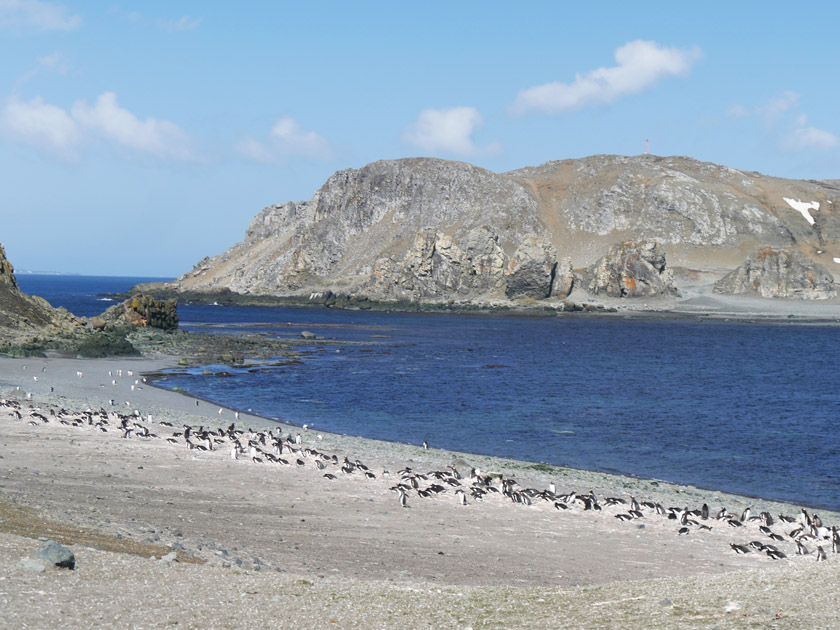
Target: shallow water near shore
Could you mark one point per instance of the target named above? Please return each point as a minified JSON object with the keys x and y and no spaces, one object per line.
{"x":740,"y":407}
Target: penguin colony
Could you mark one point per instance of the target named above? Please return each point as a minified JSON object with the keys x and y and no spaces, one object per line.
{"x":775,"y":537}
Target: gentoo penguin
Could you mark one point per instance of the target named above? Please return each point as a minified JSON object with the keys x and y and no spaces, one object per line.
{"x":683,"y":531}
{"x":462,"y":497}
{"x":425,"y":444}
{"x":745,"y":515}
{"x":552,"y":488}
{"x":820,"y":554}
{"x":739,"y":549}
{"x":704,"y":512}
{"x":403,"y":498}
{"x":196,"y":403}
{"x":801,"y":550}
{"x":233,"y":453}
{"x":774,"y":554}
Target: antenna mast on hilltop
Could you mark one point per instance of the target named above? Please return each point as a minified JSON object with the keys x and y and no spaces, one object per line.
{"x":647,"y":147}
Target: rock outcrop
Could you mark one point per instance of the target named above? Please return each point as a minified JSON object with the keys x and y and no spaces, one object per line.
{"x":779,"y":273}
{"x":428,"y":230}
{"x":24,"y":317}
{"x":631,"y":269}
{"x":141,"y":311}
{"x":531,"y":270}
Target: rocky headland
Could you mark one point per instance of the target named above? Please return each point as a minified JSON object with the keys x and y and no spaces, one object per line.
{"x":632,"y":233}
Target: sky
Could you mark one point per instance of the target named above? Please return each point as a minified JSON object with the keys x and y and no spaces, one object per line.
{"x":138,"y":138}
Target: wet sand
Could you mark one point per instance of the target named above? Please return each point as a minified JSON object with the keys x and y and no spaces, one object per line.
{"x":284,"y":546}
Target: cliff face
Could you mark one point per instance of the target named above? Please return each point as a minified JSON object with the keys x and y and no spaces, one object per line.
{"x":24,"y":316}
{"x":435,"y":230}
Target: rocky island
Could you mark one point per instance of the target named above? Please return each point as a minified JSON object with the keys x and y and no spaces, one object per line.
{"x":600,"y":230}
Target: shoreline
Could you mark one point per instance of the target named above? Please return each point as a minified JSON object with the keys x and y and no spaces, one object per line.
{"x":505,"y":463}
{"x":161,"y":402}
{"x":696,"y":301}
{"x":344,"y":549}
{"x":207,"y":413}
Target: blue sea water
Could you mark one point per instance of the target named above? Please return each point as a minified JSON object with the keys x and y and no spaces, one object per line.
{"x":741,"y":407}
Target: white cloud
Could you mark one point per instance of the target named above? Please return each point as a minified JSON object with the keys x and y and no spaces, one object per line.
{"x":640,"y":64}
{"x":43,"y":125}
{"x":36,"y":15}
{"x":447,"y":130}
{"x":159,"y":138}
{"x":286,"y":139}
{"x":791,"y":128}
{"x":51,"y":128}
{"x":184,"y":23}
{"x":804,"y":137}
{"x":772,"y":111}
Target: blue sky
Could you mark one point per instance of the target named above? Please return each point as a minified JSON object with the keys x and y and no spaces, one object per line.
{"x":136,"y":139}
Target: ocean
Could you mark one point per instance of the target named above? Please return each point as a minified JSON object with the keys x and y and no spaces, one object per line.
{"x":742,"y":407}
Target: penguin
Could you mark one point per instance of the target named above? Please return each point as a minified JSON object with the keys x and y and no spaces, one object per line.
{"x":233,"y":453}
{"x":551,"y":487}
{"x":774,"y":554}
{"x":745,"y":515}
{"x":634,"y":505}
{"x":804,"y":518}
{"x":682,"y":531}
{"x":739,"y":549}
{"x":820,"y":554}
{"x":704,"y":512}
{"x":624,"y":517}
{"x":801,"y":550}
{"x":462,"y":497}
{"x":403,"y":498}
{"x":425,"y":444}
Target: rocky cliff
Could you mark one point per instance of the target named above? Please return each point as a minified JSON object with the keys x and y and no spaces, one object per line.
{"x":773,"y":273}
{"x":434,"y":231}
{"x":24,"y":317}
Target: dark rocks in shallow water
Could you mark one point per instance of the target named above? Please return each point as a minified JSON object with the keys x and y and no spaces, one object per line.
{"x":57,"y":555}
{"x":779,"y":273}
{"x":632,"y":269}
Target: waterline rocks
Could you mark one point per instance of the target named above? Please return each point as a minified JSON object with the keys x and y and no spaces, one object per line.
{"x":779,"y":273}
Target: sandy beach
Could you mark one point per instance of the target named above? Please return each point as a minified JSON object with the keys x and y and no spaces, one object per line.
{"x":262,"y":544}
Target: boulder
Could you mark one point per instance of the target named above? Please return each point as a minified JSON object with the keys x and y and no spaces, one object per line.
{"x":531,"y":271}
{"x":57,"y":555}
{"x":632,"y":269}
{"x":779,"y":273}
